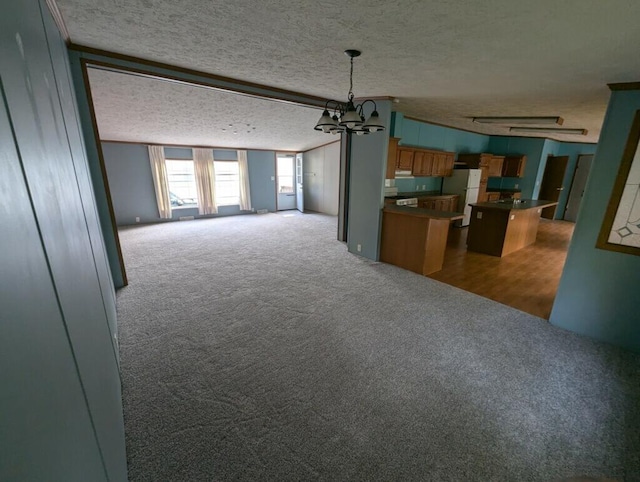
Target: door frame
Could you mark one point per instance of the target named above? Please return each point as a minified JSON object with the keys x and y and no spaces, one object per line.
{"x":554,"y":209}
{"x":572,"y":186}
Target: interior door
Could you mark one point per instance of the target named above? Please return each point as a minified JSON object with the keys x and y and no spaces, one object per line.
{"x":299,"y":183}
{"x":552,"y":187}
{"x":577,"y":187}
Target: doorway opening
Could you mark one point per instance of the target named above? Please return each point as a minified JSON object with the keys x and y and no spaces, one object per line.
{"x":285,"y":181}
{"x":577,"y":187}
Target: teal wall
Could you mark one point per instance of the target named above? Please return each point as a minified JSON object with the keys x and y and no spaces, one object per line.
{"x":262,"y":172}
{"x":133,"y":194}
{"x":366,"y":187}
{"x":422,"y":134}
{"x":60,"y":396}
{"x":598,"y":292}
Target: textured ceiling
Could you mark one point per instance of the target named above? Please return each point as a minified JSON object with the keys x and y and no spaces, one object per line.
{"x":134,"y":108}
{"x":445,"y":61}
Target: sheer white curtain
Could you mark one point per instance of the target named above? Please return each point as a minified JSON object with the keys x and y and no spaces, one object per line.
{"x":205,"y":180}
{"x":243,"y":168}
{"x":160,"y":180}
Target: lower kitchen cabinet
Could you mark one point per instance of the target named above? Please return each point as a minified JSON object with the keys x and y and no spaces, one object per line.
{"x":446,"y":203}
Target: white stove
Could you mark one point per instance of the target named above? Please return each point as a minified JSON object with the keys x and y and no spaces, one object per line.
{"x":411,"y":202}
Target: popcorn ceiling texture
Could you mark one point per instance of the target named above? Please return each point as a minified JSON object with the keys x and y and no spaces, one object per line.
{"x":446,"y":61}
{"x":140,"y":109}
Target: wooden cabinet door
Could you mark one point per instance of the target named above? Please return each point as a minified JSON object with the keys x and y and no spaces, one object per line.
{"x":405,"y":159}
{"x":448,"y":165}
{"x":482,"y":190}
{"x":495,"y":166}
{"x":439,"y":164}
{"x":418,"y":159}
{"x":453,"y":204}
{"x":514,"y":166}
{"x":443,"y":204}
{"x":493,"y":196}
{"x":392,"y":155}
{"x":427,"y":164}
{"x":428,"y":204}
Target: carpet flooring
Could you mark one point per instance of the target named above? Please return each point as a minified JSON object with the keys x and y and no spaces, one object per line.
{"x":257,"y":348}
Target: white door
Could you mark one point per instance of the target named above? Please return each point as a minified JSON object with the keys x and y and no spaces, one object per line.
{"x":286,"y":181}
{"x":299,"y":183}
{"x":577,"y":187}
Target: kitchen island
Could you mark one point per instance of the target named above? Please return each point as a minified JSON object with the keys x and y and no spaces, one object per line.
{"x":415,"y":238}
{"x":502,"y":227}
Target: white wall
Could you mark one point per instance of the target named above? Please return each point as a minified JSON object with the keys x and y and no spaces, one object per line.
{"x":322,"y":179}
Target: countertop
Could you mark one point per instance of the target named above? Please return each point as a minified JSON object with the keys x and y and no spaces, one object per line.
{"x":502,"y":189}
{"x":508,"y":205}
{"x":406,"y":195}
{"x":422,"y":213}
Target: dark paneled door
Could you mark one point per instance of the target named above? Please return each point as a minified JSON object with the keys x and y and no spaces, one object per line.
{"x":552,"y":187}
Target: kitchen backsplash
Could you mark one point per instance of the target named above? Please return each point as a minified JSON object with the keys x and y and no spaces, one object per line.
{"x":417,"y":183}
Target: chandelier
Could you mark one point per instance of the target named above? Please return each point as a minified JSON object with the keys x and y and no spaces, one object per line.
{"x":348,"y":117}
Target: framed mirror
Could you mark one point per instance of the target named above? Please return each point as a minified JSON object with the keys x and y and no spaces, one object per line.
{"x":620,"y":230}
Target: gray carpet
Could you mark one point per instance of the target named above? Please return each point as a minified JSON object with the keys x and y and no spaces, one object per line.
{"x":256,"y":348}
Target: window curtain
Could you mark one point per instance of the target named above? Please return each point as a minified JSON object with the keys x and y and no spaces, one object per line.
{"x":243,"y":169}
{"x":160,"y":181}
{"x":205,"y":180}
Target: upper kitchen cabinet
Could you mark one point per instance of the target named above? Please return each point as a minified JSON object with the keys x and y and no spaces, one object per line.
{"x":423,"y":164}
{"x":513,"y":166}
{"x":392,"y":153}
{"x":404,"y":159}
{"x":495,"y":166}
{"x":417,"y":160}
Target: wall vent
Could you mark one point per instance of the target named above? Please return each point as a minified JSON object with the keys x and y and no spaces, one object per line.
{"x":262,"y":211}
{"x":186,"y":218}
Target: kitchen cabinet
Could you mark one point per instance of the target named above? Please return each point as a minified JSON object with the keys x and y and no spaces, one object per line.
{"x":392,"y":154}
{"x":445,"y":202}
{"x":421,"y":162}
{"x":489,"y":165}
{"x":492,"y":196}
{"x":513,"y":166}
{"x":509,"y":195}
{"x":442,"y":164}
{"x":495,"y":166}
{"x":405,"y":159}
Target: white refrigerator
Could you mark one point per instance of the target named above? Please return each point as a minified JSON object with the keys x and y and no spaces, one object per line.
{"x":465,"y":183}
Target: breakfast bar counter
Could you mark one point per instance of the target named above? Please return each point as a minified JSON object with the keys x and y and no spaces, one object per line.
{"x":414,"y":238}
{"x":502,"y":227}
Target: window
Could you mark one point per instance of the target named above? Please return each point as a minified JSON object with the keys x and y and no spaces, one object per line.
{"x":182,"y":183}
{"x":227,"y":183}
{"x":285,"y":173}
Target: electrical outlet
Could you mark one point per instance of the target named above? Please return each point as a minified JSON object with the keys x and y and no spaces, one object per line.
{"x":479,"y":216}
{"x":424,"y":187}
{"x":513,"y":216}
{"x":517,"y":186}
{"x":137,"y":219}
{"x":359,"y":248}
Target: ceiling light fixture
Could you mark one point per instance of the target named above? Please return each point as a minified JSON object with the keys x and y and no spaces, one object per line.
{"x":520,"y":120}
{"x":550,"y":130}
{"x":351,"y":117}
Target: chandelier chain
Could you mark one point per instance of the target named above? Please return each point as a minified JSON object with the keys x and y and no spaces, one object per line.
{"x":351,"y":81}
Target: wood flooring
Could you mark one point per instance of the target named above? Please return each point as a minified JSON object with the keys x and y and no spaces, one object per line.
{"x":526,"y":279}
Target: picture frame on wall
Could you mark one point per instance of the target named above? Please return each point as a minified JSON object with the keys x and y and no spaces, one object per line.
{"x":620,"y":229}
